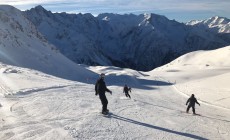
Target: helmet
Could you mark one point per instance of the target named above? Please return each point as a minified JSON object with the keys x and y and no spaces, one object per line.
{"x":102,"y":75}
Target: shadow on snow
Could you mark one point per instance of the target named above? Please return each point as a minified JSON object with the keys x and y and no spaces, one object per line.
{"x":204,"y":116}
{"x":157,"y":127}
{"x":134,"y":82}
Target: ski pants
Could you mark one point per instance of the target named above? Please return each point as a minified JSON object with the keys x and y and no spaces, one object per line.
{"x":193,"y":109}
{"x":127,"y":95}
{"x":104,"y":102}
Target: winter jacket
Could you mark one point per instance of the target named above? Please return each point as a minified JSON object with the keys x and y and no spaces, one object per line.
{"x":192,"y":101}
{"x":100,"y":87}
{"x":126,"y":89}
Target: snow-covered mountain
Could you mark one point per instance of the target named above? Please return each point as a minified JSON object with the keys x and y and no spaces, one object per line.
{"x":22,"y":45}
{"x":215,"y":24}
{"x":201,"y":59}
{"x":140,"y":42}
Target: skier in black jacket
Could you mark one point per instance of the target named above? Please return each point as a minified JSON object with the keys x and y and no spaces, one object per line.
{"x":192,"y":100}
{"x":100,"y":88}
{"x":126,"y":91}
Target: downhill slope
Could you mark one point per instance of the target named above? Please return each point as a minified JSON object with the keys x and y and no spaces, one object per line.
{"x":60,"y":109}
{"x":203,"y":73}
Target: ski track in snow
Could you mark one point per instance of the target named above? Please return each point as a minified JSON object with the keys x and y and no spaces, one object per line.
{"x":126,"y":121}
{"x":72,"y":111}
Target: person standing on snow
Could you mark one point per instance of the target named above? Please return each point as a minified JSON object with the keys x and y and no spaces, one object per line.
{"x":126,"y":91}
{"x":100,"y":89}
{"x":192,"y":100}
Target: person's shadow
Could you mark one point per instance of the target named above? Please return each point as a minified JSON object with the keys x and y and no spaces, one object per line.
{"x":114,"y":116}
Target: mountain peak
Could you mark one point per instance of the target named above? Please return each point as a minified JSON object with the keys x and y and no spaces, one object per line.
{"x":40,"y":8}
{"x":9,"y":9}
{"x":217,"y":20}
{"x":155,"y":17}
{"x":216,"y":24}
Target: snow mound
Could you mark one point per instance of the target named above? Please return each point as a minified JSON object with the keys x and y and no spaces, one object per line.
{"x":200,"y":60}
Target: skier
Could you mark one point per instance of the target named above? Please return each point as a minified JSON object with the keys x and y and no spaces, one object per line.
{"x":100,"y":88}
{"x":192,"y":100}
{"x":126,"y":91}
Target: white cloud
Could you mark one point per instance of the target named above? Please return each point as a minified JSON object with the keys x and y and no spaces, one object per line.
{"x":129,"y":4}
{"x":208,"y":7}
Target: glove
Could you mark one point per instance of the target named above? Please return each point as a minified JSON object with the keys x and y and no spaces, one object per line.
{"x":199,"y":104}
{"x":96,"y":93}
{"x":185,"y":104}
{"x":110,"y":92}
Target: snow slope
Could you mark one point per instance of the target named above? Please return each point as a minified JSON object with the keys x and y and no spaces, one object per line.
{"x":203,"y":73}
{"x":22,"y":45}
{"x":60,"y":109}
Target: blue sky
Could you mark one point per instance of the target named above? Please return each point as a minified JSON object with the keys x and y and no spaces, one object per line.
{"x":180,"y":10}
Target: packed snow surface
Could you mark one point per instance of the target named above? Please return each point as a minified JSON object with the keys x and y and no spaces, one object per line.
{"x":35,"y":105}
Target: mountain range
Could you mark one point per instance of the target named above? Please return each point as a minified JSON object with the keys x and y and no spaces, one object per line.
{"x":141,"y":42}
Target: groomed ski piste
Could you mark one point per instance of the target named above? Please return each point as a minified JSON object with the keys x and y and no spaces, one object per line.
{"x":35,"y":105}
